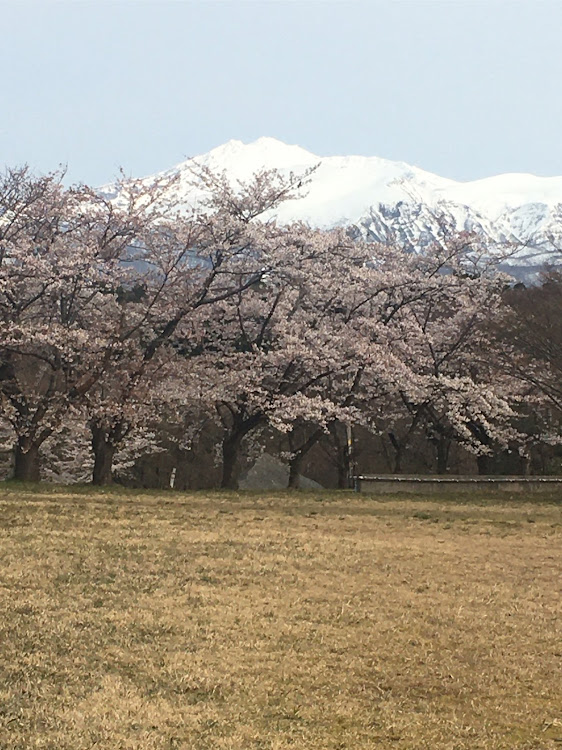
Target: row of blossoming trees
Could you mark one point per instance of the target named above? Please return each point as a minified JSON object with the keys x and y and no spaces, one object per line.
{"x":121,"y":317}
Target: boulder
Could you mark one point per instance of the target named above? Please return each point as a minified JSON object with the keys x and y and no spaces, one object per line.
{"x":270,"y":473}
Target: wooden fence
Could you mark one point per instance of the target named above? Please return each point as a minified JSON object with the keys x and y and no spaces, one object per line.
{"x":434,"y":484}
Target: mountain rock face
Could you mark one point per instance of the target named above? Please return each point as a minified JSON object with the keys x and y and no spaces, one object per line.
{"x":517,"y":214}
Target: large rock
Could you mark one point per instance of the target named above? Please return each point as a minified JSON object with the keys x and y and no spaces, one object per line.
{"x":270,"y":473}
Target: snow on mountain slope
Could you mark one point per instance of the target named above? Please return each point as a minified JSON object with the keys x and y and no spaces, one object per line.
{"x":377,"y":196}
{"x":342,"y":189}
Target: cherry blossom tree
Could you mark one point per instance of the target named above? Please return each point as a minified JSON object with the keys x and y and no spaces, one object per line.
{"x":456,"y":391}
{"x":190,"y":265}
{"x":65,"y":272}
{"x":291,"y":352}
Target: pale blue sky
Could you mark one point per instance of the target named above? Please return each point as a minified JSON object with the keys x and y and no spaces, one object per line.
{"x":463,"y":88}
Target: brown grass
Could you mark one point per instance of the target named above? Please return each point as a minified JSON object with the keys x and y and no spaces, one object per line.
{"x":141,"y":622}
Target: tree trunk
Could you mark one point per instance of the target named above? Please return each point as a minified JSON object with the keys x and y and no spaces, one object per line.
{"x":342,"y":450}
{"x":483,"y":460}
{"x":104,"y":452}
{"x":26,"y":467}
{"x":344,"y":468}
{"x":230,"y":450}
{"x":483,"y":464}
{"x":295,"y":464}
{"x":442,"y":445}
{"x":398,"y":448}
{"x":295,"y":467}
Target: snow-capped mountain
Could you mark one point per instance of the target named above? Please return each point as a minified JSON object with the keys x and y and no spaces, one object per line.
{"x":519,"y":212}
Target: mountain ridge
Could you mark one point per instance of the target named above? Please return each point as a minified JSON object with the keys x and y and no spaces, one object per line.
{"x":380,"y":198}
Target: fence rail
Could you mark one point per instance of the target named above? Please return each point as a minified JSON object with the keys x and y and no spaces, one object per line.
{"x":381,"y":483}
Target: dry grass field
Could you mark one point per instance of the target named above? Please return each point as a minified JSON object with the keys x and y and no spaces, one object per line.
{"x":264,"y":622}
